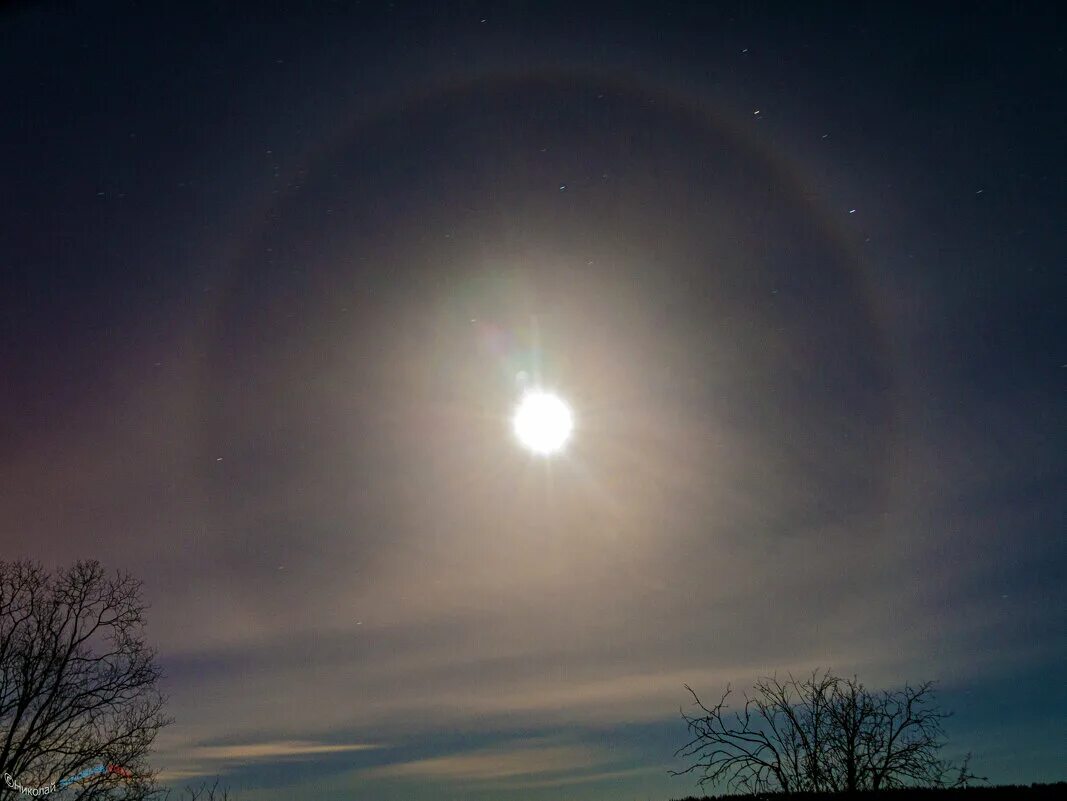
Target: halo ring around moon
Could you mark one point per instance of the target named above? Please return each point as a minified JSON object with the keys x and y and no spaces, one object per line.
{"x":696,"y":111}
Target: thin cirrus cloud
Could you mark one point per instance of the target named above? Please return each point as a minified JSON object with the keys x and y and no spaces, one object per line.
{"x":276,"y":750}
{"x":213,"y":759}
{"x":530,"y":759}
{"x":565,"y":781}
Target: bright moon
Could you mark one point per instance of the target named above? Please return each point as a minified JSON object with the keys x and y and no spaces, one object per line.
{"x":542,"y":422}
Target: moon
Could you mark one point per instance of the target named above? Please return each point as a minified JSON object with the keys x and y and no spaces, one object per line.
{"x":542,"y":422}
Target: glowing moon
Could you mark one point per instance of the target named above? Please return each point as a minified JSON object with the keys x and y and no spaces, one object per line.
{"x":542,"y":422}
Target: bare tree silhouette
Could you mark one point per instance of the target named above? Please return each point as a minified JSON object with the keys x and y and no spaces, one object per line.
{"x":821,"y":733}
{"x":205,"y":792}
{"x":79,"y":690}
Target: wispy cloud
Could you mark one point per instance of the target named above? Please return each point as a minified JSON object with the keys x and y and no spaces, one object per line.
{"x":495,"y":763}
{"x":208,"y":760}
{"x":280,"y":749}
{"x":177,"y":775}
{"x":585,"y":778}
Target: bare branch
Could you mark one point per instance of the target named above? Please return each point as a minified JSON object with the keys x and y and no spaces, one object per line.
{"x":79,"y":690}
{"x":821,"y":733}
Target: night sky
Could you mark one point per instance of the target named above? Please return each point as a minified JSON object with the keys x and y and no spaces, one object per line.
{"x":273,"y":278}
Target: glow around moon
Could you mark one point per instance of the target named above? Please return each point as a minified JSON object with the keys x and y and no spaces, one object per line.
{"x":542,"y":422}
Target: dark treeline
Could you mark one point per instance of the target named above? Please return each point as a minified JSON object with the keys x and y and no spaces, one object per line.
{"x":1003,"y":792}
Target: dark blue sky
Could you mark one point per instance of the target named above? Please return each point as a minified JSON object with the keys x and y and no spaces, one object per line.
{"x":270,"y":272}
